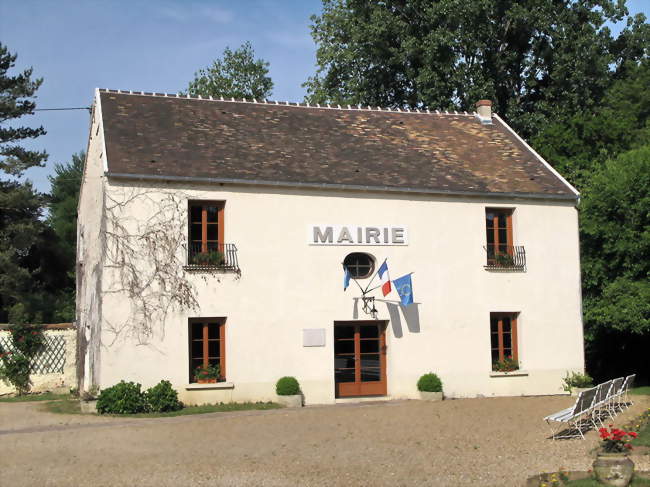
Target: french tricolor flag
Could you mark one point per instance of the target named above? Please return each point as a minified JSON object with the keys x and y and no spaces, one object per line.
{"x":385,"y":278}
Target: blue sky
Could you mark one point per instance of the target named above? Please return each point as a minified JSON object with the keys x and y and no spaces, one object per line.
{"x":77,"y":46}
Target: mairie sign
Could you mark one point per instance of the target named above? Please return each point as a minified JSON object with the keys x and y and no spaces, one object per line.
{"x":357,"y":235}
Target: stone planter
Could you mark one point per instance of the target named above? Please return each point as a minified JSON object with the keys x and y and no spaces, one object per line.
{"x":430,"y":396}
{"x":88,"y":407}
{"x":291,"y":401}
{"x":615,"y":469}
{"x":577,"y":390}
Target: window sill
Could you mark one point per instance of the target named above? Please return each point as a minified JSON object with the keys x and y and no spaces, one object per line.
{"x":514,"y":373}
{"x":214,"y":385}
{"x":492,"y":268}
{"x":209,"y":268}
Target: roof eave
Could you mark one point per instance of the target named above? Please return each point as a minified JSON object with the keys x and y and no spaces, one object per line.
{"x":343,"y":187}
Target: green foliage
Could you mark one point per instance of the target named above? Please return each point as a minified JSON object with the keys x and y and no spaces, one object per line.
{"x":237,"y":75}
{"x":213,"y":258}
{"x":508,"y":364}
{"x":580,"y":145}
{"x":163,"y":397}
{"x":122,"y":398}
{"x":207,"y":372}
{"x":15,"y":101}
{"x":539,"y":61}
{"x":576,"y":379}
{"x":287,"y":386}
{"x":430,"y":383}
{"x":16,"y":363}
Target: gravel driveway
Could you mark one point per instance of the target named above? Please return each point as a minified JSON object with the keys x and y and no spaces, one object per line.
{"x":477,"y":442}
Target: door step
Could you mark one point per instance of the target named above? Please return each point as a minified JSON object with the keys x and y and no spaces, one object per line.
{"x":353,"y":400}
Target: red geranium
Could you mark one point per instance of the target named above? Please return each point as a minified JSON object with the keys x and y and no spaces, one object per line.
{"x":614,"y":439}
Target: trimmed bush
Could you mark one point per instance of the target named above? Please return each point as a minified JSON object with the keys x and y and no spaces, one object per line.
{"x":163,"y":397}
{"x":430,"y":383}
{"x":287,"y":386}
{"x":122,"y":398}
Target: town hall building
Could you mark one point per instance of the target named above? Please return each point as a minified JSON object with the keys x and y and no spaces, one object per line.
{"x":265,"y":239}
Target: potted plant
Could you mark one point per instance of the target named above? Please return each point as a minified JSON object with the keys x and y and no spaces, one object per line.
{"x":207,"y":374}
{"x":508,"y":364}
{"x":430,"y":387}
{"x":612,"y":465}
{"x":575,"y":383}
{"x":211,"y":258}
{"x":88,"y":400}
{"x":504,"y":260}
{"x":288,"y":391}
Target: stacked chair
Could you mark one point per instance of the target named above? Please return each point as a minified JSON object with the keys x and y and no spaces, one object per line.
{"x":591,"y":408}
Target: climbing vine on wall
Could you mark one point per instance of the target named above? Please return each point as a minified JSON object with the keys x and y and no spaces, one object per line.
{"x":146,"y":255}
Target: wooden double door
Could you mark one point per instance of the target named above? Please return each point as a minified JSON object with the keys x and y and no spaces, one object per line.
{"x":360,"y":358}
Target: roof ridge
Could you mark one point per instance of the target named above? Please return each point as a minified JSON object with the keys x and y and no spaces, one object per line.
{"x":327,"y":106}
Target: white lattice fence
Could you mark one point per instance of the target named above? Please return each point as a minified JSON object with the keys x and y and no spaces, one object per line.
{"x":50,"y":360}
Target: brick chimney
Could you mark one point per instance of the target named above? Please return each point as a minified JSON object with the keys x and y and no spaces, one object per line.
{"x":484,"y":111}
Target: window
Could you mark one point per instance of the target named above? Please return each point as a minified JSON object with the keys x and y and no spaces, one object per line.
{"x":498,"y":226}
{"x":207,"y":344}
{"x":205,"y":241}
{"x":359,"y":264}
{"x":503,"y":336}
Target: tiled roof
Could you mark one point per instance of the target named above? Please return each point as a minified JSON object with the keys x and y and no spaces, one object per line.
{"x":155,"y":135}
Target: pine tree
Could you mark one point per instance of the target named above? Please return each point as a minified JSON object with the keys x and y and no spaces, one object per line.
{"x":20,"y":205}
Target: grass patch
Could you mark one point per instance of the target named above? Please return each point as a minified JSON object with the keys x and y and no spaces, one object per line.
{"x":207,"y":408}
{"x":66,"y":406}
{"x":644,"y":436}
{"x":47,"y":396}
{"x":640,"y":391}
{"x":637,"y":482}
{"x":71,"y":406}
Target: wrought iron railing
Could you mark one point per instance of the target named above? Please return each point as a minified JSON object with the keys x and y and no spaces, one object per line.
{"x":212,"y":256}
{"x":505,"y":257}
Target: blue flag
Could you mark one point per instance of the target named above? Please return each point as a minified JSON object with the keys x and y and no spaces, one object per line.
{"x":404,"y":288}
{"x":346,"y":278}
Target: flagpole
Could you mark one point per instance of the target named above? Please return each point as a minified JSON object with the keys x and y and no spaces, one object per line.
{"x":373,"y":278}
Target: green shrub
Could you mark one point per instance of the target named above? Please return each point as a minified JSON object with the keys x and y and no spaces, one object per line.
{"x":430,"y":383}
{"x":163,"y":397}
{"x":122,"y":398}
{"x":287,"y":386}
{"x":576,"y":379}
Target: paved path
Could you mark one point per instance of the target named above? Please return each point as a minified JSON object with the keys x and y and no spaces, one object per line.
{"x":477,"y":442}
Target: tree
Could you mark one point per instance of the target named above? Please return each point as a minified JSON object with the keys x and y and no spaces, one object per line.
{"x":538,"y":60}
{"x":580,"y":145}
{"x":64,"y":197}
{"x":615,"y":235}
{"x":237,"y":75}
{"x":20,"y":204}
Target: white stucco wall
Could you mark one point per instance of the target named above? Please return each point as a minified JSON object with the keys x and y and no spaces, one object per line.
{"x":287,"y":285}
{"x":55,"y":381}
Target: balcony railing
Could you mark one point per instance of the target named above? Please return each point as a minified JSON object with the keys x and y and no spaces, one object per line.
{"x":505,"y":257}
{"x":212,"y":256}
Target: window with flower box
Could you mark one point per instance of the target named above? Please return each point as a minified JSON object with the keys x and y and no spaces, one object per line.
{"x":503,"y":337}
{"x":207,"y":346}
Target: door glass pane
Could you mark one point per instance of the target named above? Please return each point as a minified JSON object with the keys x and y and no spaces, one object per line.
{"x":503,"y":236}
{"x":195,"y":214}
{"x":489,"y":219}
{"x":507,"y":341}
{"x":370,"y":375}
{"x":495,"y":355}
{"x":495,"y":340}
{"x":369,"y":346}
{"x":494,"y":324}
{"x":212,"y":232}
{"x":213,"y":349}
{"x":197,"y":331}
{"x":195,"y":232}
{"x":344,"y":346}
{"x":346,"y":375}
{"x":212,"y":214}
{"x":197,"y":349}
{"x":344,"y":362}
{"x":344,"y":332}
{"x":213,"y":331}
{"x":369,"y":360}
{"x":369,"y":331}
{"x":196,"y":363}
